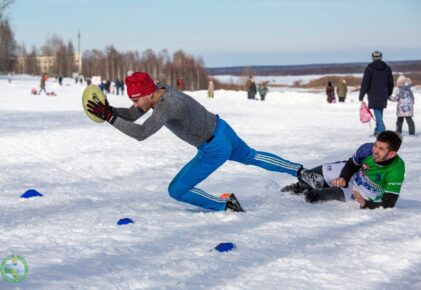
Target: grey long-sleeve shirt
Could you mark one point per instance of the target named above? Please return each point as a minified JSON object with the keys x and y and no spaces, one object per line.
{"x":180,"y":113}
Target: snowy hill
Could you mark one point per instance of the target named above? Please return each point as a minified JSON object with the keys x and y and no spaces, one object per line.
{"x":92,"y":175}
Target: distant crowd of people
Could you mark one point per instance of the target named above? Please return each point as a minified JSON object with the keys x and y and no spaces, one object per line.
{"x":378,"y":85}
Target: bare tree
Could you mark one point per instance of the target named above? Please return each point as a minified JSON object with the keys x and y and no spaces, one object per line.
{"x":31,"y":64}
{"x":8,"y":47}
{"x":70,"y":57}
{"x":3,"y":5}
{"x":111,"y":64}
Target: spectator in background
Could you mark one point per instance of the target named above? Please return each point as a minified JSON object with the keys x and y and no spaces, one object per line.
{"x":263,"y":89}
{"x":102,"y":85}
{"x":117,"y":86}
{"x":341,"y":91}
{"x":9,"y":77}
{"x":107,"y":86}
{"x":44,"y":78}
{"x":378,"y":84}
{"x":330,"y":93}
{"x":60,"y":80}
{"x":122,"y":87}
{"x":180,"y":84}
{"x":251,"y":88}
{"x":405,"y":107}
{"x":210,"y":89}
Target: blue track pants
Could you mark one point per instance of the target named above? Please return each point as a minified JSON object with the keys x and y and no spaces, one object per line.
{"x":225,"y":145}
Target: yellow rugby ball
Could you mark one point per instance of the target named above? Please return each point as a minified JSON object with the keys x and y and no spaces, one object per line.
{"x":94,"y":94}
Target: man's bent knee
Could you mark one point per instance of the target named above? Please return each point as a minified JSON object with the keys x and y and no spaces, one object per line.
{"x":176,"y":190}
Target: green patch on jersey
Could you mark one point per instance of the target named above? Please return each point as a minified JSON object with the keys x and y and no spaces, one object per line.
{"x":388,"y":177}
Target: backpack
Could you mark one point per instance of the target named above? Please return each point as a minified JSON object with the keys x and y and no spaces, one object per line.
{"x":365,"y":113}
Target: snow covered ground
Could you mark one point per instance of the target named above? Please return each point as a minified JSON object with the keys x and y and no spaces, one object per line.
{"x":92,"y":175}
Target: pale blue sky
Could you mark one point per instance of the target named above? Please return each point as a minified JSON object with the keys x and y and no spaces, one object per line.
{"x":231,"y":32}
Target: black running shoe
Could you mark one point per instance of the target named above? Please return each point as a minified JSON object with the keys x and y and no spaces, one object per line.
{"x":314,"y":180}
{"x":311,"y":195}
{"x":296,"y":188}
{"x":232,"y":203}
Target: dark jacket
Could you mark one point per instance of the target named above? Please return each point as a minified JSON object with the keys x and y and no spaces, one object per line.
{"x":377,"y":84}
{"x":252,"y":90}
{"x":330,"y":93}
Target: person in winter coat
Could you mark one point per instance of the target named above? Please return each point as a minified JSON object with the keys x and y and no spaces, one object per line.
{"x":44,"y":78}
{"x":378,"y":84}
{"x":211,"y":89}
{"x":117,"y":86}
{"x":263,"y":89}
{"x":180,"y":84}
{"x":373,"y":176}
{"x":405,"y":107}
{"x":341,"y":91}
{"x":213,"y":137}
{"x":251,"y":88}
{"x":330,"y":92}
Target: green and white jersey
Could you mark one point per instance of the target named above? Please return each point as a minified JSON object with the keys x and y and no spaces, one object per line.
{"x":373,"y":180}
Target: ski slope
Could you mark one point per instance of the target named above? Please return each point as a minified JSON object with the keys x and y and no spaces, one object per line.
{"x":92,"y":175}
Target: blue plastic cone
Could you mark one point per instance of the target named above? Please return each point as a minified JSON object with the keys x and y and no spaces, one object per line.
{"x":31,"y":193}
{"x":125,"y":221}
{"x":224,"y":247}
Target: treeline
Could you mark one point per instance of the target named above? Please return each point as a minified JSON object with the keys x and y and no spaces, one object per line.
{"x":7,"y":40}
{"x":111,"y":64}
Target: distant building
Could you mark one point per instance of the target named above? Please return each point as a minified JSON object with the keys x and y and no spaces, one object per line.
{"x":45,"y":63}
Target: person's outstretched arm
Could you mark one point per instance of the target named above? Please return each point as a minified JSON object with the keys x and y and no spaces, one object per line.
{"x":388,"y":201}
{"x":129,"y":114}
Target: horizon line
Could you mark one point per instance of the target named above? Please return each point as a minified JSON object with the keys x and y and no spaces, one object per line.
{"x":309,"y":64}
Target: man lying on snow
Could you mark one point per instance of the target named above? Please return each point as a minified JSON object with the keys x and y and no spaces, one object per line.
{"x":373,"y":176}
{"x":214,"y":139}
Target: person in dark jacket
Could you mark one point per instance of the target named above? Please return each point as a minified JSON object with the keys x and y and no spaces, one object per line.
{"x":378,"y":84}
{"x":251,"y":88}
{"x":330,"y":93}
{"x":117,"y":86}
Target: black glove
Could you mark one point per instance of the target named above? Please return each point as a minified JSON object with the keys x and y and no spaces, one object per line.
{"x":101,"y":111}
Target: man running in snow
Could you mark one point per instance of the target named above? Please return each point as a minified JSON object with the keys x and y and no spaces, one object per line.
{"x":373,"y":176}
{"x":215,"y":140}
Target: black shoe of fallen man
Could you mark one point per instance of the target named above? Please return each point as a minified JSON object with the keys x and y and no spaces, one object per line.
{"x":296,"y":188}
{"x":314,"y":180}
{"x":232,"y":202}
{"x":311,"y":195}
